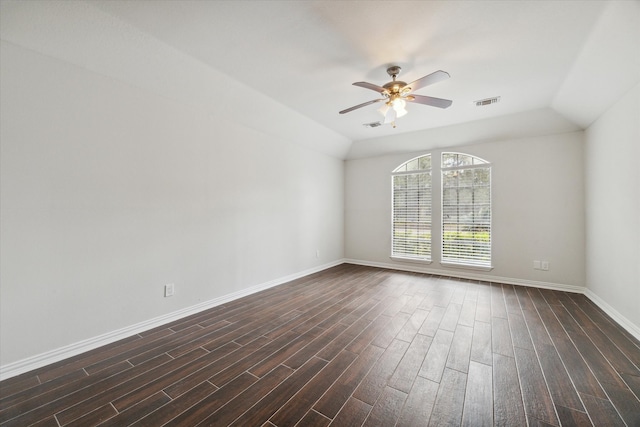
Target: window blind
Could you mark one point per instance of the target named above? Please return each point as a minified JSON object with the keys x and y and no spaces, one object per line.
{"x":412,"y":210}
{"x":466,"y":210}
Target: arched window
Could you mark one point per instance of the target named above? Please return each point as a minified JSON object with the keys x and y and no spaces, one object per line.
{"x":466,"y":210}
{"x":412,"y":209}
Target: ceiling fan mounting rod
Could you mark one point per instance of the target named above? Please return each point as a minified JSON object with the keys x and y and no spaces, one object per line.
{"x":393,"y":71}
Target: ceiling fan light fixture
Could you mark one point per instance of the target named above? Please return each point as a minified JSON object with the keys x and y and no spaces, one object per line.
{"x":399,"y":105}
{"x":383,"y":110}
{"x":390,"y":116}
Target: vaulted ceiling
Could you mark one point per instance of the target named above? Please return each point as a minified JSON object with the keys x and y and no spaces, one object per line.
{"x":555,"y":65}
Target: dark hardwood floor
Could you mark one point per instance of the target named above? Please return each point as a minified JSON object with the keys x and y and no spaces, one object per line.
{"x":353,"y":346}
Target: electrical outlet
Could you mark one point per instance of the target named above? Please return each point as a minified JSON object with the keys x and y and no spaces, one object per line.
{"x":536,"y":265}
{"x":317,"y":253}
{"x":545,"y":265}
{"x":168,"y":290}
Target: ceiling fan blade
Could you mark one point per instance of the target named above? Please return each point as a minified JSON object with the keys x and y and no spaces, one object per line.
{"x":364,"y":104}
{"x":429,"y":100}
{"x":371,"y":86}
{"x":430,"y":79}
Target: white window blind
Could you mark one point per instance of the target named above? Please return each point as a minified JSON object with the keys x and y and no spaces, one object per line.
{"x":412,"y":209}
{"x":466,"y":210}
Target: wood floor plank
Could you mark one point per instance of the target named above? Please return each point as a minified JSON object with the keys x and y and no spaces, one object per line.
{"x":436,"y":358}
{"x":249,"y":397}
{"x":378,"y":326}
{"x":353,"y":413}
{"x":214,"y":401}
{"x":177,"y":406}
{"x":284,"y":353}
{"x":537,"y":400}
{"x":241,"y":365}
{"x":633,"y":382}
{"x":460,"y":349}
{"x":390,"y":329}
{"x":295,"y":409}
{"x":313,"y":347}
{"x":478,"y":400}
{"x":387,"y":408}
{"x":37,"y":389}
{"x":63,"y":367}
{"x":508,"y":408}
{"x":450,"y":319}
{"x":432,"y":322}
{"x":266,"y":407}
{"x":501,"y":337}
{"x":498,"y":307}
{"x":481,"y":343}
{"x":106,"y":396}
{"x":621,"y":338}
{"x":447,"y":409}
{"x":314,"y":419}
{"x":408,"y":368}
{"x":190,"y":374}
{"x":19,"y":384}
{"x":625,"y":402}
{"x":375,"y":381}
{"x":519,"y":332}
{"x":572,"y":418}
{"x":601,"y":411}
{"x":578,"y":370}
{"x":137,"y":411}
{"x":33,"y":410}
{"x":353,"y":345}
{"x":419,"y":403}
{"x":341,"y":390}
{"x":467,"y":313}
{"x":100,"y":415}
{"x":558,"y":378}
{"x":413,"y":325}
{"x":536,"y":327}
{"x":483,"y":303}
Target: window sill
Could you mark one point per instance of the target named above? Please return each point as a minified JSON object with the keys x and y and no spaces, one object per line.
{"x":466,"y":266}
{"x":412,"y":260}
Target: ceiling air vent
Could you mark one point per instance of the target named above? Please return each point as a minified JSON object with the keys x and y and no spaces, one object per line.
{"x":372,"y":125}
{"x":487,"y":101}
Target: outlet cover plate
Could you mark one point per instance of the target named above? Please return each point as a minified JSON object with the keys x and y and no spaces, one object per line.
{"x":168,"y":290}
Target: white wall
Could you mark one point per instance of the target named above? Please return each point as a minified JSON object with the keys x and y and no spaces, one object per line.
{"x":612,"y":181}
{"x":538,"y":209}
{"x":109,"y":191}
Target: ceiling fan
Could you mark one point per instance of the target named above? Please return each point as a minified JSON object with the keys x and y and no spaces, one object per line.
{"x":396,"y":94}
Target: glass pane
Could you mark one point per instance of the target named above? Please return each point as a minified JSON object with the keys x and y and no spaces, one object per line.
{"x":449,"y":195}
{"x":481,"y":195}
{"x":425,"y":162}
{"x":413,"y":165}
{"x":481,"y":176}
{"x":465,"y":196}
{"x":464,"y":160}
{"x":450,"y":179}
{"x":449,"y":160}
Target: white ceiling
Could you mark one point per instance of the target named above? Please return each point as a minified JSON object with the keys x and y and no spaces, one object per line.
{"x":535,"y":55}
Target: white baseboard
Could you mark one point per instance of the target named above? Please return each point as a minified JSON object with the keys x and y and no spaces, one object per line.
{"x":631,"y":327}
{"x":468,"y":274}
{"x":49,"y":357}
{"x":625,"y":323}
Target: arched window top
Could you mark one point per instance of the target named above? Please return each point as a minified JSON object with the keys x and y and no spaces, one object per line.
{"x":420,"y":163}
{"x":456,"y":160}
